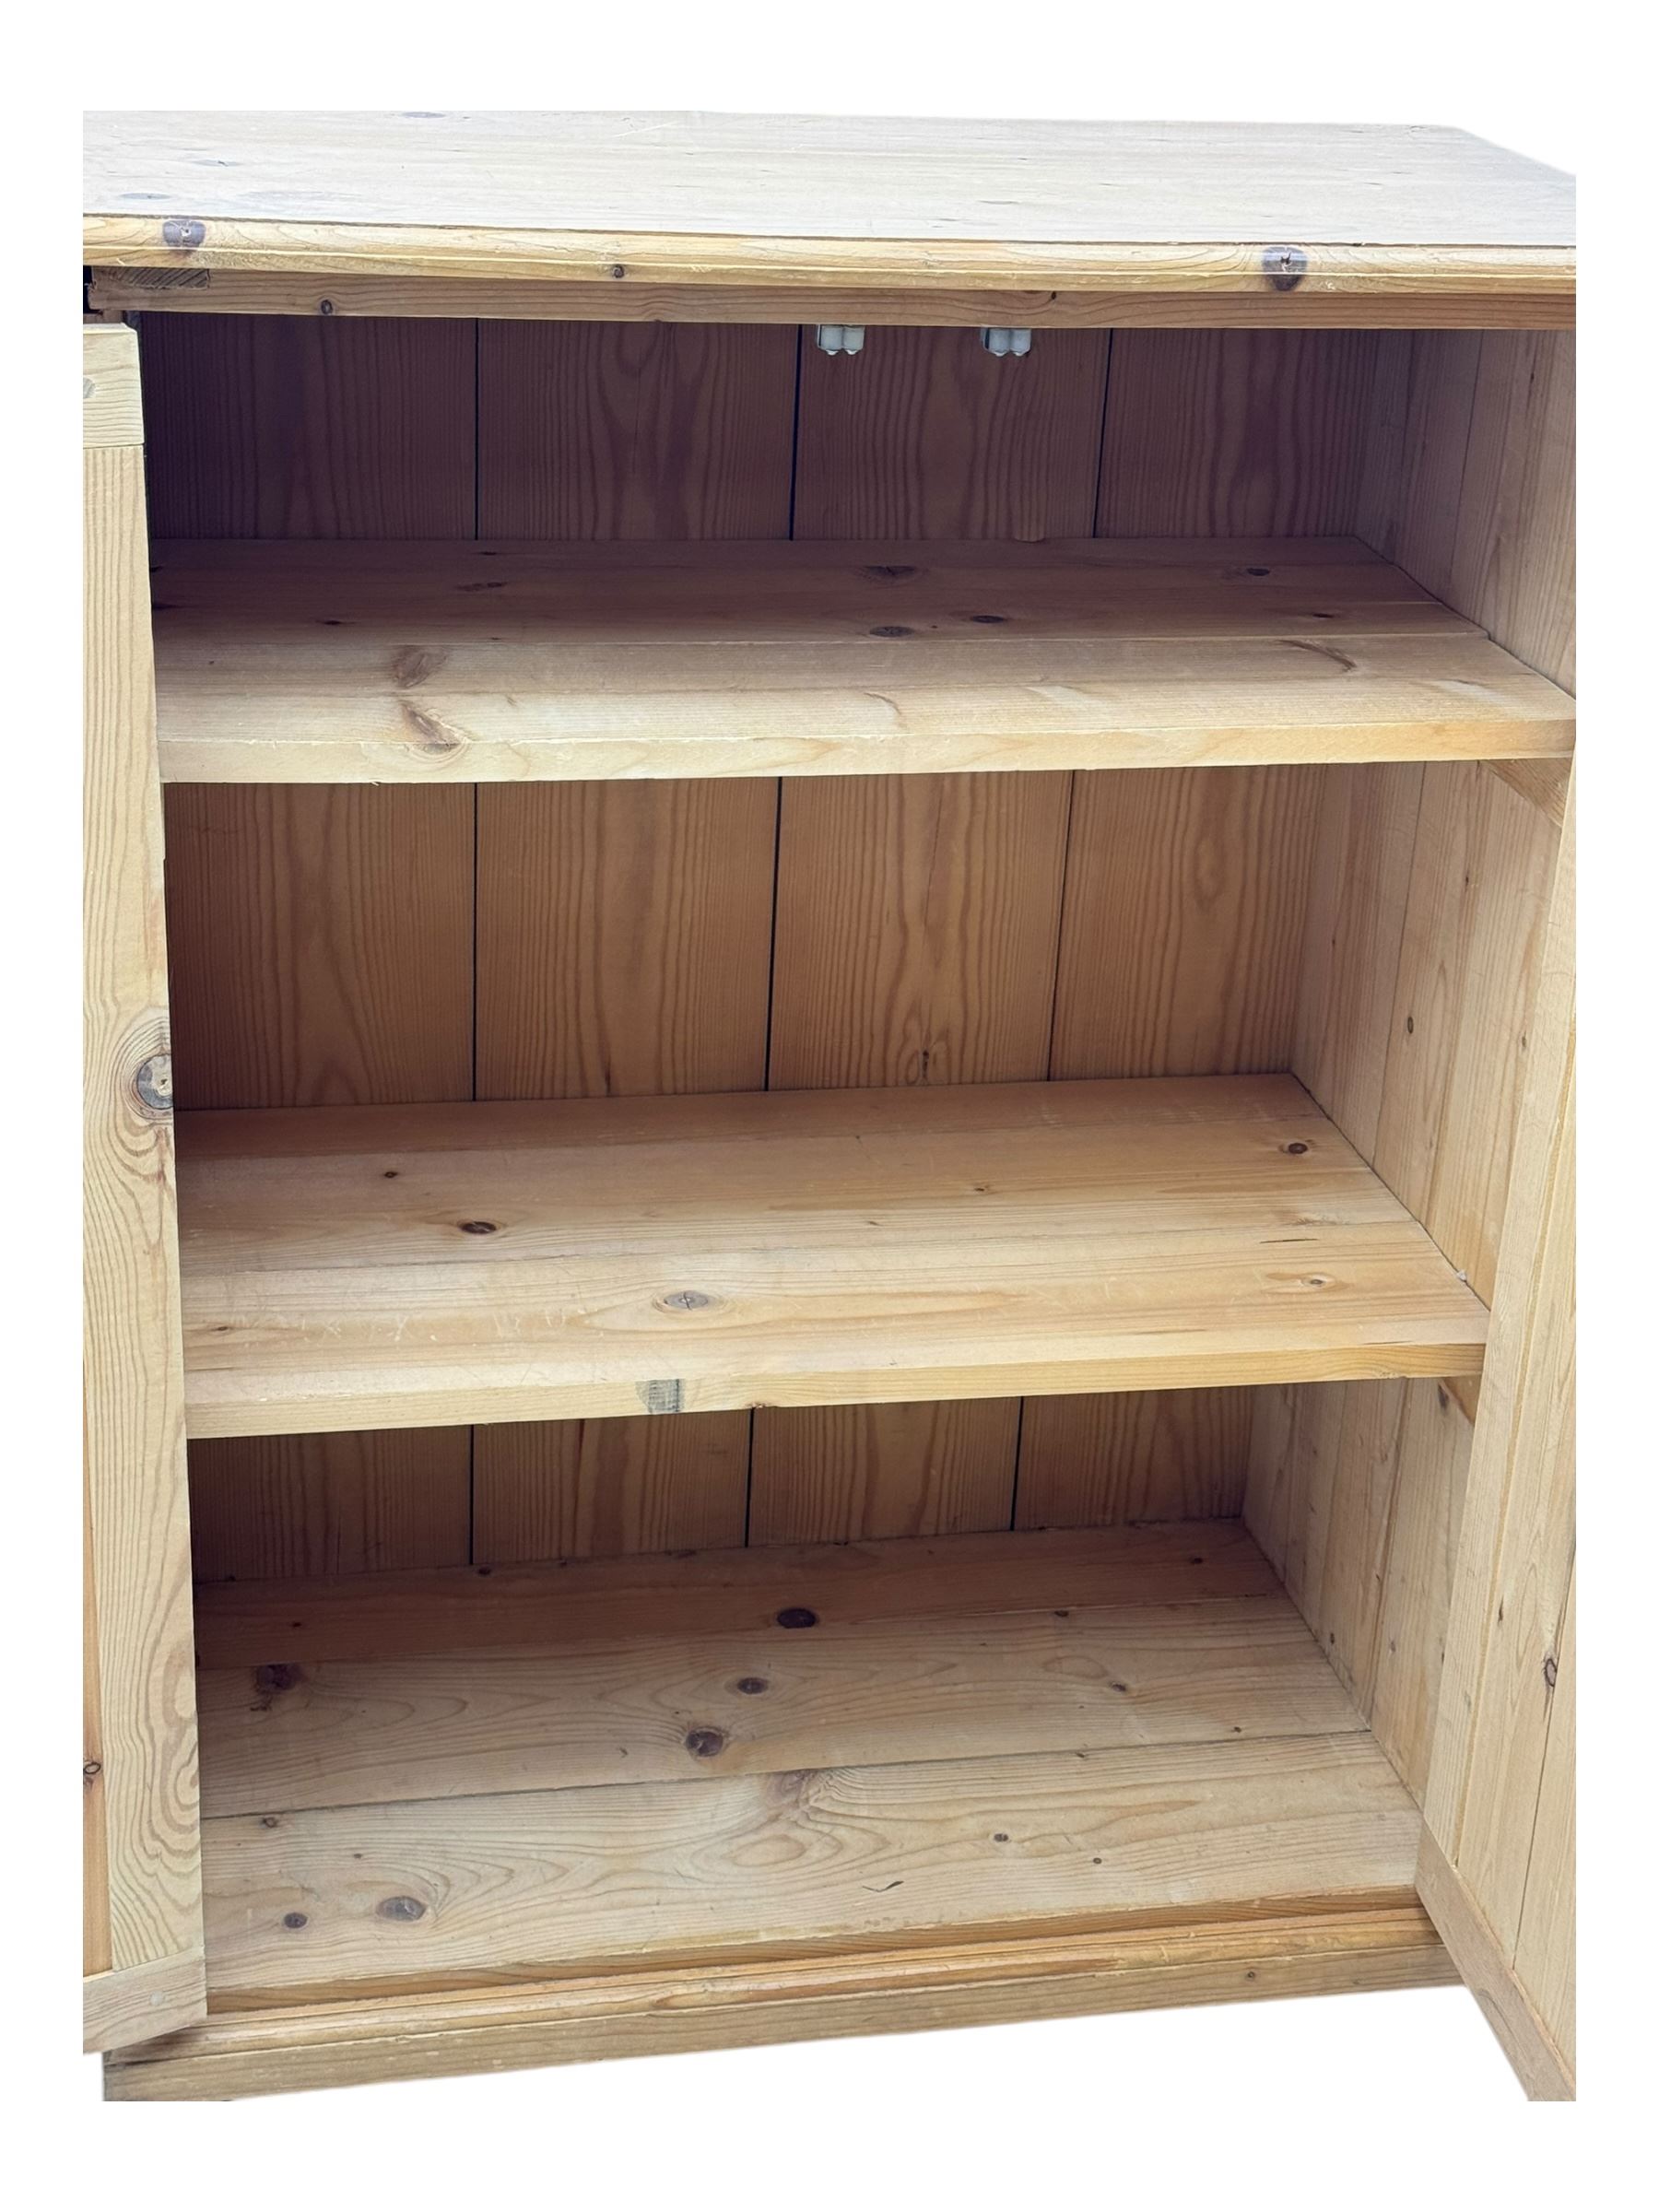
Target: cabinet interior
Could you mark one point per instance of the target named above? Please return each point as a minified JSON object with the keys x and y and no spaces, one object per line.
{"x":645,"y":1514}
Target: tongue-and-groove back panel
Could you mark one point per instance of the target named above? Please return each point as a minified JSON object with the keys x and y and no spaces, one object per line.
{"x":369,"y":944}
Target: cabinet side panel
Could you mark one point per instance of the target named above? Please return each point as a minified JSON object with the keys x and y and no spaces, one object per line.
{"x":321,"y":938}
{"x":143,"y":1928}
{"x":1499,"y":1799}
{"x":1419,"y":1024}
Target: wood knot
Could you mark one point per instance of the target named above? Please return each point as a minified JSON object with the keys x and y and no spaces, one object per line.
{"x":270,"y":1681}
{"x":888,"y":571}
{"x":1295,"y":1148}
{"x":751,"y":1686}
{"x":401,"y":1908}
{"x":705,"y":1743}
{"x":476,"y":1229}
{"x":892,"y":629}
{"x":431,"y":735}
{"x":797,"y":1616}
{"x":687,"y":1302}
{"x":92,"y":1769}
{"x":293,"y":1920}
{"x":1549,"y":1672}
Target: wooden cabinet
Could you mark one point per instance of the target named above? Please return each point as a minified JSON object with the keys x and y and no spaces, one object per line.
{"x":871,"y":1056}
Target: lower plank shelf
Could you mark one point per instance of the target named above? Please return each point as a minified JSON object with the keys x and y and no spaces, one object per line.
{"x":455,"y":1820}
{"x":389,"y":1268}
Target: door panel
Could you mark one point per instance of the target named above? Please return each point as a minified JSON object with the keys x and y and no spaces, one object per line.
{"x":142,"y":1916}
{"x":1498,"y":1856}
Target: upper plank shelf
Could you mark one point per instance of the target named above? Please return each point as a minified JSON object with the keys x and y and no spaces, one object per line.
{"x":1282,"y":218}
{"x":305,"y":662}
{"x":375,"y":1267}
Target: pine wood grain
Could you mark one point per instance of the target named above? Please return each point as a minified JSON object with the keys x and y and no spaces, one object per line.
{"x":829,"y":200}
{"x":1357,"y":901}
{"x":505,"y":662}
{"x":1214,"y":433}
{"x":1156,"y":1455}
{"x":321,"y":940}
{"x":603,"y":1490}
{"x":1473,"y":456}
{"x":143,"y":1911}
{"x":194,"y":290}
{"x":925,"y":434}
{"x":288,"y":428}
{"x":836,"y":1475}
{"x":916,"y":929}
{"x":1512,"y":1581}
{"x":600,"y":1601}
{"x":264,"y":1507}
{"x":1459,"y":1038}
{"x":916,"y":920}
{"x":617,"y":431}
{"x":770,"y":1865}
{"x":869,"y":1992}
{"x":624,"y":939}
{"x":1087,"y":1677}
{"x":320,"y":944}
{"x":1185,"y":892}
{"x":360,"y":1267}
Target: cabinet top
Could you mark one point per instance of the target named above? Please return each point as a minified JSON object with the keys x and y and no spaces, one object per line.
{"x":793,"y":200}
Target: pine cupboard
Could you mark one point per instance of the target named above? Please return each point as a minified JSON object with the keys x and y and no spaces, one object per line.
{"x":829,"y":1082}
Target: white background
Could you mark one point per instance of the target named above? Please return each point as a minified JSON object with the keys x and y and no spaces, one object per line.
{"x":1399,"y":2099}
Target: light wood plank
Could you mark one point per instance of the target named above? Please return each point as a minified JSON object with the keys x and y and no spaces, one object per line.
{"x":288,"y":1739}
{"x":916,"y":930}
{"x":1542,"y":2068}
{"x":284,"y":663}
{"x":1547,"y":1946}
{"x":926,"y":435}
{"x":624,"y":939}
{"x":602,"y":1489}
{"x":1515,"y":1555}
{"x":614,"y":430}
{"x":322,"y":944}
{"x":1355,"y":920}
{"x":824,"y":199}
{"x":871,"y":1992}
{"x":838,"y":1473}
{"x":112,"y":410}
{"x":770,"y":1865}
{"x":1215,"y":433}
{"x":263,"y":428}
{"x":1459,"y":1040}
{"x":1185,"y":899}
{"x":193,"y":290}
{"x":142,"y":1902}
{"x":1158,"y":1455}
{"x":723,"y":1593}
{"x":376,"y":1266}
{"x":345,"y":1504}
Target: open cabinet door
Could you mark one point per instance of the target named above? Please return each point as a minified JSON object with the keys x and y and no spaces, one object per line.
{"x":143,"y":1919}
{"x":1497,"y":1865}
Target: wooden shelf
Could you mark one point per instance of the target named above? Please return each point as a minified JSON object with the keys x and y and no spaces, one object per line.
{"x":351,"y":662}
{"x":961,"y":1738}
{"x":385,"y":1267}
